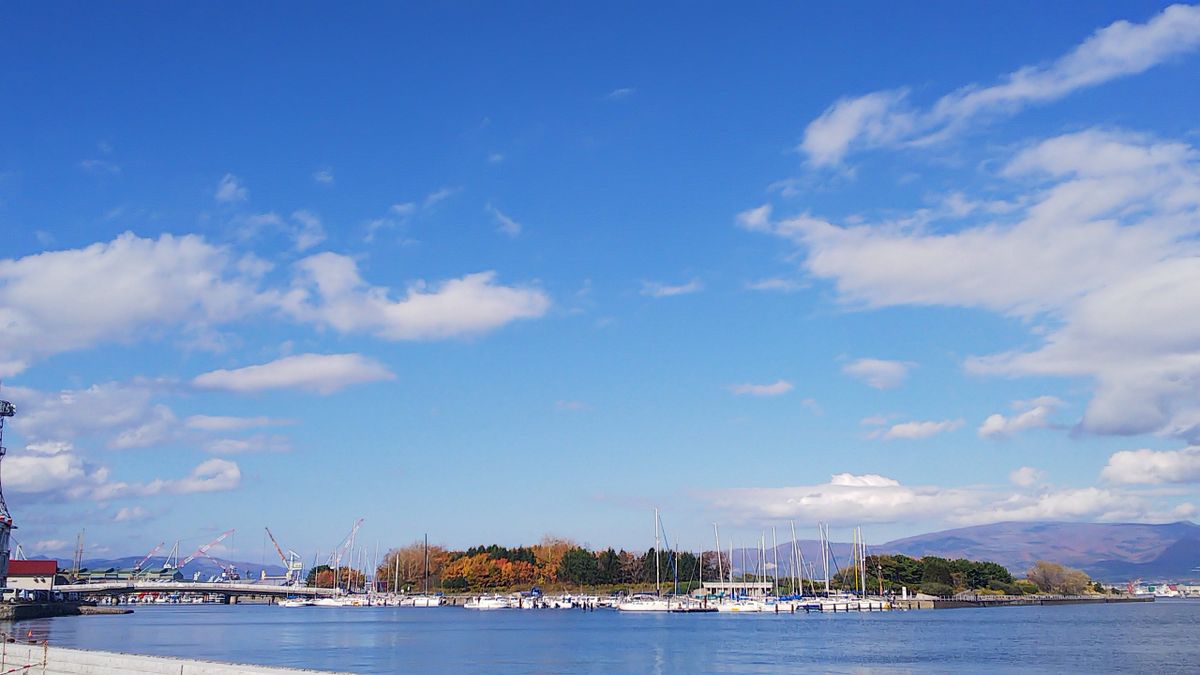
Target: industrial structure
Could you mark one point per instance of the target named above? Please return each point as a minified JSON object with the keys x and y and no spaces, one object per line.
{"x":6,"y":522}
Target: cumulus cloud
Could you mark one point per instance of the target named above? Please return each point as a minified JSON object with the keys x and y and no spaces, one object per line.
{"x":60,"y":301}
{"x":230,"y":190}
{"x":878,"y":373}
{"x":57,"y":470}
{"x":130,"y":514}
{"x":871,"y":498}
{"x":328,"y":290}
{"x":776,"y":388}
{"x":656,"y":289}
{"x":320,"y":373}
{"x":1099,"y":256}
{"x":308,"y":231}
{"x":1026,"y":476}
{"x":916,"y":430}
{"x":123,"y":413}
{"x":1032,"y":414}
{"x":1154,"y":466}
{"x":887,"y":118}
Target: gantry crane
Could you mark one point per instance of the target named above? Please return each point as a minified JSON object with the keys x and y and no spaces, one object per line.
{"x":203,"y":550}
{"x":291,"y":562}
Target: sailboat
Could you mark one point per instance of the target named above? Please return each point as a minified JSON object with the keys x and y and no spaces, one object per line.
{"x":644,"y":602}
{"x":424,"y":599}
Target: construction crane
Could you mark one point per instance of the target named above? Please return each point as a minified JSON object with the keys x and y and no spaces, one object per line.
{"x":291,"y":562}
{"x":203,"y":550}
{"x":138,"y":567}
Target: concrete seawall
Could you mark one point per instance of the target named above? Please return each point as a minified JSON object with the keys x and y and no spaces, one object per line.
{"x":1026,"y":600}
{"x":28,"y":659}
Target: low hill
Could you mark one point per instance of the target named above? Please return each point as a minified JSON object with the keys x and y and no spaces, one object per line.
{"x":205,"y":567}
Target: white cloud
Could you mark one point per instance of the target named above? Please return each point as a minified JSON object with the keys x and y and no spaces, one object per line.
{"x":124,"y":414}
{"x":1100,"y":257}
{"x":321,"y":373}
{"x":308,"y":231}
{"x":505,"y":225}
{"x":100,"y":166}
{"x":757,"y":219}
{"x":131,"y":514}
{"x":223,"y":423}
{"x":773,"y":389}
{"x":230,"y":190}
{"x":1154,"y":466}
{"x":777,"y":284}
{"x":323,"y":176}
{"x":328,"y":290}
{"x":878,"y":373}
{"x":847,"y":498}
{"x":437,"y":196}
{"x":1026,"y":476}
{"x":655,"y":289}
{"x":50,"y":546}
{"x":117,"y":291}
{"x":495,"y":158}
{"x":917,"y":430}
{"x":1033,"y":414}
{"x":255,"y":443}
{"x":871,"y":498}
{"x":213,"y":475}
{"x":886,"y":118}
{"x":621,"y":93}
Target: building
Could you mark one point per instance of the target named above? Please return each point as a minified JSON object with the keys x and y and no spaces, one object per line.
{"x":35,"y":579}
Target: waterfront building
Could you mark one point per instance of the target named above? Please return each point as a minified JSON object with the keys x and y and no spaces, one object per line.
{"x":39,"y":577}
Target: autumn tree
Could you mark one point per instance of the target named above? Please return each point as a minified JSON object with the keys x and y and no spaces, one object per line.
{"x":1055,"y":578}
{"x":404,"y":567}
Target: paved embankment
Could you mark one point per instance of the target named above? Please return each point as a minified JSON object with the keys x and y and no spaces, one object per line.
{"x":27,"y":659}
{"x":45,"y":610}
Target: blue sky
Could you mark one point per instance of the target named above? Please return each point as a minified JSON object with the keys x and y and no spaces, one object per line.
{"x":491,"y":272}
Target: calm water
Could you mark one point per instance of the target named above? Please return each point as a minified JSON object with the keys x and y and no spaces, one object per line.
{"x":1158,"y":637}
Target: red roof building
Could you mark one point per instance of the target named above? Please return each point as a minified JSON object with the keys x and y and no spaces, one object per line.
{"x":32,"y":568}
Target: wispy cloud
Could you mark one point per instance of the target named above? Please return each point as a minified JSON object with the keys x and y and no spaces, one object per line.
{"x":323,"y":176}
{"x":620,"y":93}
{"x":505,"y":225}
{"x":776,"y":388}
{"x":657,"y":289}
{"x":878,"y":373}
{"x":230,"y":190}
{"x":886,"y":118}
{"x":100,"y":166}
{"x":320,"y":373}
{"x":916,"y":430}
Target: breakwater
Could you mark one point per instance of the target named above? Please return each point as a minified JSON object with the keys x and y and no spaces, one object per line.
{"x":1027,"y":600}
{"x":42,"y":659}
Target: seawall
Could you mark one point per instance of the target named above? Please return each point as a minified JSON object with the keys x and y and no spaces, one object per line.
{"x":27,"y":659}
{"x":1027,"y":600}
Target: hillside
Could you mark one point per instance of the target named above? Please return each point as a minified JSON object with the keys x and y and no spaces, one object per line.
{"x":1107,"y":551}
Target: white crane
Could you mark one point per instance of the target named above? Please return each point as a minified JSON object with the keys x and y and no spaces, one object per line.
{"x":291,"y":562}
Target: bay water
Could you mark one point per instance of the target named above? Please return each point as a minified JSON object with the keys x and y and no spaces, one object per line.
{"x":1158,"y":637}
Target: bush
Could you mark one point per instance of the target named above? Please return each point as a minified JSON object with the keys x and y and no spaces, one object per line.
{"x":455,"y":584}
{"x":1026,"y":586}
{"x":1006,"y":589}
{"x":936,"y":588}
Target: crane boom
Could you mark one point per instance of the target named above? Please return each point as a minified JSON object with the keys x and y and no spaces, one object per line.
{"x":277,"y":548}
{"x":203,"y":550}
{"x":138,"y":567}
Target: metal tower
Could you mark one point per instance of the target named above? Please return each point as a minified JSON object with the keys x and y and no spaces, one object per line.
{"x":6,"y":523}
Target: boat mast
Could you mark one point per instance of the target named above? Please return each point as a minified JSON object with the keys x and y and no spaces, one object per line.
{"x":425,"y":576}
{"x":825,"y":554}
{"x":775,"y":554}
{"x":720,"y":569}
{"x":657,"y":571}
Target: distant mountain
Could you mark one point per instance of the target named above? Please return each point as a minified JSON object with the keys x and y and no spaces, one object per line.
{"x":1112,"y":552}
{"x":1107,"y":551}
{"x":207,"y":568}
